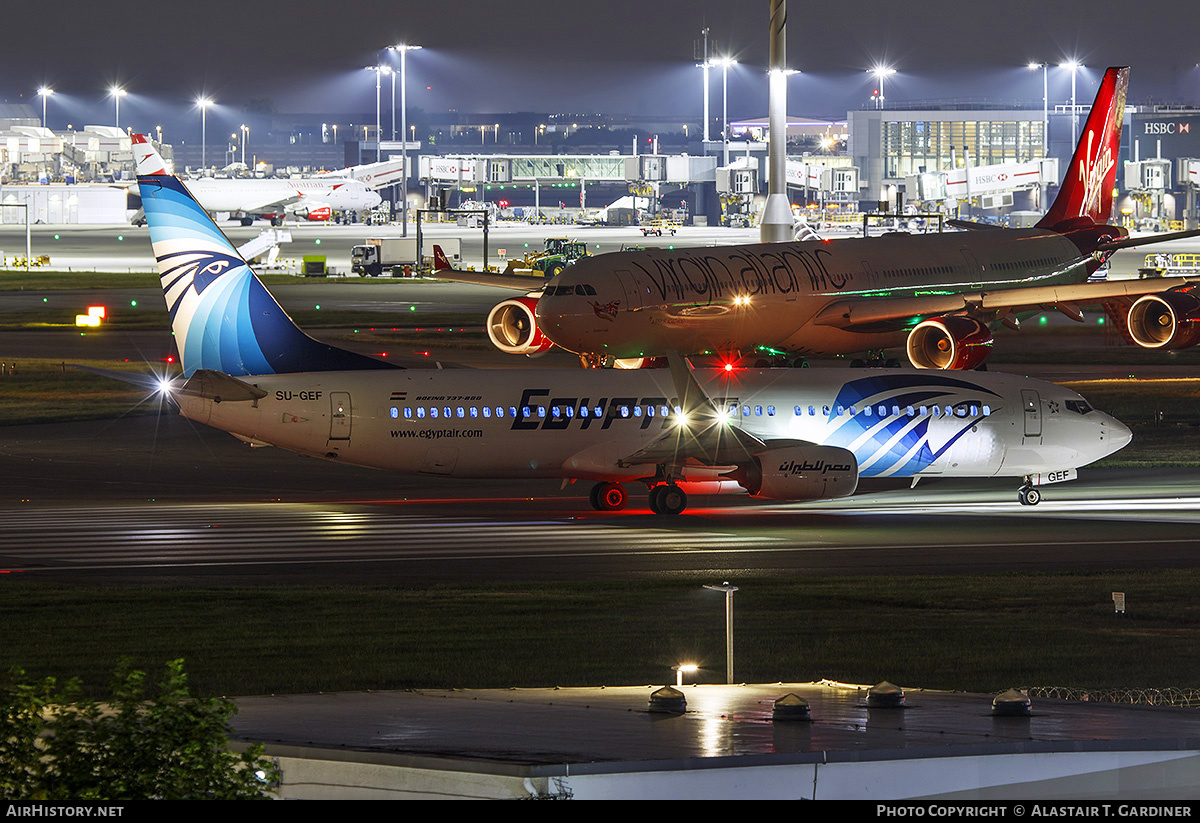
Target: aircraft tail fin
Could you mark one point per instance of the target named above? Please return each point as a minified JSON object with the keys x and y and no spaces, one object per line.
{"x":223,"y":317}
{"x":440,"y":263}
{"x":149,"y":161}
{"x":1088,"y":183}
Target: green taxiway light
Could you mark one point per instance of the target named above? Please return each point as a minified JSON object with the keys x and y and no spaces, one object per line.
{"x":120,"y":237}
{"x":133,"y":303}
{"x":317,"y":241}
{"x":412,"y":308}
{"x":1041,"y":319}
{"x":318,"y":306}
{"x":1100,"y":321}
{"x":56,"y":237}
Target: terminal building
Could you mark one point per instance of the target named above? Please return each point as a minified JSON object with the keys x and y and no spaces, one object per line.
{"x":979,"y":161}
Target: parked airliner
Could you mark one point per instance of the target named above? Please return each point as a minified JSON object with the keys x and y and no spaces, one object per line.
{"x":939,"y":295}
{"x":780,"y":434}
{"x":312,"y":198}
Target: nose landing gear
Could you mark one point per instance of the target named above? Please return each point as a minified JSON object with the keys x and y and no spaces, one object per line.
{"x":1029,"y":496}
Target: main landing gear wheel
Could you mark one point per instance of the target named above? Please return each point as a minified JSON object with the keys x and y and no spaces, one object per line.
{"x":1029,"y":496}
{"x":608,"y":497}
{"x":667,"y":499}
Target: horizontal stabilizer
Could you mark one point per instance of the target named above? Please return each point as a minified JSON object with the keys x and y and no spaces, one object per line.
{"x":970,"y":225}
{"x":443,"y":271}
{"x":214,"y":385}
{"x":1130,"y":242}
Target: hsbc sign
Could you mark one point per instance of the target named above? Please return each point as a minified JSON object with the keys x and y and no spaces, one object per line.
{"x":1167,"y":127}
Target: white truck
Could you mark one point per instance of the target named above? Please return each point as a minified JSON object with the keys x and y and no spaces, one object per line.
{"x":383,"y":255}
{"x":376,"y":256}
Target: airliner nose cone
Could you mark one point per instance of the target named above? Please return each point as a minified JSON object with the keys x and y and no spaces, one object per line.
{"x":1118,"y":434}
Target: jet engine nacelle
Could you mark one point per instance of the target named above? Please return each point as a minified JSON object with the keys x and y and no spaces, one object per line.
{"x":310,"y":210}
{"x":1170,"y":320}
{"x":513,"y":329}
{"x":802,"y":472}
{"x":949,"y":343}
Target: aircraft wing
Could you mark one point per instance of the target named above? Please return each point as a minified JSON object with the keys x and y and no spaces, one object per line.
{"x":699,"y":431}
{"x":900,"y":312}
{"x":706,"y":441}
{"x":277,"y":202}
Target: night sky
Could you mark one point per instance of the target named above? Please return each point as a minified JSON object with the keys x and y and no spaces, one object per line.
{"x":539,"y":55}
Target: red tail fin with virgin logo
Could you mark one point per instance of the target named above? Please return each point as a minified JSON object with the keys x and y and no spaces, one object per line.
{"x":1087,"y":188}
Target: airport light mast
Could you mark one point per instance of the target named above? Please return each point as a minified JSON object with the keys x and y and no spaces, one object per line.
{"x":116,"y":92}
{"x":1074,"y":66}
{"x":44,"y":92}
{"x":726,"y":62}
{"x":1045,"y":108}
{"x":203,"y":103}
{"x":404,"y":49}
{"x":777,"y":219}
{"x":379,"y":70}
{"x":881,"y":73}
{"x":705,"y":66}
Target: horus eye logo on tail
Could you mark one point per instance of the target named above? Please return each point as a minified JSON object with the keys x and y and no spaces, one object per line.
{"x":198,"y":269}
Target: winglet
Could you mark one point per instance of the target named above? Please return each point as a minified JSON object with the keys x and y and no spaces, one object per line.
{"x":692,"y":398}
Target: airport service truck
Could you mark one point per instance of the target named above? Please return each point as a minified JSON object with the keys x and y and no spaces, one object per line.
{"x":374,"y":257}
{"x":391,"y":255}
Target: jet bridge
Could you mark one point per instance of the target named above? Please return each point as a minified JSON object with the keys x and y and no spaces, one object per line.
{"x":567,"y":168}
{"x":991,"y":186}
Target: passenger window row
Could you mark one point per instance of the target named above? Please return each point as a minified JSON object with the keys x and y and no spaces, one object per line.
{"x":1021,"y":265}
{"x":570,"y":412}
{"x":555,"y":412}
{"x":960,"y":410}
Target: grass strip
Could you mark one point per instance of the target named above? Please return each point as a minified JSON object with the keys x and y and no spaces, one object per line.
{"x":976,"y":633}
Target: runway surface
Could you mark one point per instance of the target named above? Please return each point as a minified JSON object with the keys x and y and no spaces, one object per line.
{"x":140,"y":498}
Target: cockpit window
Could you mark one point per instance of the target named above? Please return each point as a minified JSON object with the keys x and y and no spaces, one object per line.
{"x":1078,"y":406}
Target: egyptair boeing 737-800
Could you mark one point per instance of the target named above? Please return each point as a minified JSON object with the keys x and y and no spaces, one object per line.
{"x":312,"y":198}
{"x":939,"y":295}
{"x":781,"y":434}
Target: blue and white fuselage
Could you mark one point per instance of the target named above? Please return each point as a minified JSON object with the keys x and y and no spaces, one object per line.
{"x":586,"y":423}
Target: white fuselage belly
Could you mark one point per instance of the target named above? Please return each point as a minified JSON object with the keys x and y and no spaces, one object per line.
{"x":433,"y":421}
{"x":731,"y":298}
